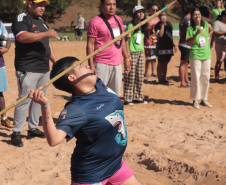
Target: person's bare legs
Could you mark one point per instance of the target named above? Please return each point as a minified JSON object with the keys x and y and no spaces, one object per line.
{"x":217,"y":70}
{"x":153,"y":67}
{"x":183,"y":72}
{"x":2,"y":105}
{"x":132,"y":181}
{"x":160,"y":72}
{"x":150,"y":65}
{"x":164,"y":72}
{"x":76,"y":37}
{"x":81,"y":38}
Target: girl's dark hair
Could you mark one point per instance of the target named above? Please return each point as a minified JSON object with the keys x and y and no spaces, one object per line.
{"x":63,"y":83}
{"x":221,"y":15}
{"x":135,"y":21}
{"x":150,"y":5}
{"x":187,"y":8}
{"x":193,"y":22}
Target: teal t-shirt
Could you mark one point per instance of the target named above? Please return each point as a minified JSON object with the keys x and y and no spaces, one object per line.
{"x":215,"y":13}
{"x":133,"y":45}
{"x":198,"y":52}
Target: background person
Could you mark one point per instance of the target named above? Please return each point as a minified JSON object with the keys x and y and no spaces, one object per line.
{"x":150,"y":40}
{"x":101,"y":133}
{"x":133,"y":80}
{"x":165,"y":46}
{"x":200,"y":57}
{"x":80,"y":27}
{"x":32,"y":54}
{"x":183,"y":47}
{"x":214,"y":14}
{"x":219,"y":32}
{"x":107,"y":63}
{"x":3,"y":79}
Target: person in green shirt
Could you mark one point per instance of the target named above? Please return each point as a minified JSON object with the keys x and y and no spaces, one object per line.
{"x":214,"y":14}
{"x":133,"y":81}
{"x":197,"y":37}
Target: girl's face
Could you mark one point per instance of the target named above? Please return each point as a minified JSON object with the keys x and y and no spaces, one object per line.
{"x":153,"y":10}
{"x":196,"y":17}
{"x":218,"y":4}
{"x":223,"y":19}
{"x":140,"y":14}
{"x":163,"y":16}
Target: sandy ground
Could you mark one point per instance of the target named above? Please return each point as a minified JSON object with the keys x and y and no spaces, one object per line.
{"x":169,"y":141}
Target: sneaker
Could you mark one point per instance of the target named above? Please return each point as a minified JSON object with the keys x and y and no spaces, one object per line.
{"x":7,"y":123}
{"x":35,"y":133}
{"x":206,"y":103}
{"x":16,"y":139}
{"x":128,"y":103}
{"x":195,"y":105}
{"x":140,"y":101}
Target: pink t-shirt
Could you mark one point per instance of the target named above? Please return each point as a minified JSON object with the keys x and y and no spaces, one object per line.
{"x":99,"y":30}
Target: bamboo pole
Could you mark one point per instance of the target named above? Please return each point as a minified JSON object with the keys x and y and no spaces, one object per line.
{"x":91,"y":55}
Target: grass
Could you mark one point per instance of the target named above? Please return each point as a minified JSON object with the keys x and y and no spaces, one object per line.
{"x":71,"y":36}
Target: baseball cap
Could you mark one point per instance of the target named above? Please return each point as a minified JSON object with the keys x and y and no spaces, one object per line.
{"x":37,"y":1}
{"x":139,"y":7}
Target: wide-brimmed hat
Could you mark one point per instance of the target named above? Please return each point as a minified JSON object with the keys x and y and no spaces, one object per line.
{"x":37,"y":1}
{"x":139,"y":7}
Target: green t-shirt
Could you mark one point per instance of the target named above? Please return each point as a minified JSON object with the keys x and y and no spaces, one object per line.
{"x":133,"y":45}
{"x":215,"y":13}
{"x":198,"y":52}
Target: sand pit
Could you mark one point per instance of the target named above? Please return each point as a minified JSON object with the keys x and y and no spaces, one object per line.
{"x":169,"y":141}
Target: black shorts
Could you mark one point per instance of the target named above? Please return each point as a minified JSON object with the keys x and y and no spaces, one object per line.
{"x":163,"y":58}
{"x":184,"y":53}
{"x":79,"y":32}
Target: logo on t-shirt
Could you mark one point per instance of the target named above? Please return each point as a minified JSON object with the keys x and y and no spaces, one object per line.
{"x":34,"y":26}
{"x":117,"y":118}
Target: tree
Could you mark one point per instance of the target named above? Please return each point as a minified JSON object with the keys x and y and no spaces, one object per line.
{"x":127,"y":5}
{"x":9,"y":9}
{"x":56,"y":9}
{"x":209,"y":4}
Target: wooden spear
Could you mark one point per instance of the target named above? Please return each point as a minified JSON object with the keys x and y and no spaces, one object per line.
{"x":91,"y":55}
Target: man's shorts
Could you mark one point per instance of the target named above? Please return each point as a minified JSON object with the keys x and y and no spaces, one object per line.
{"x":150,"y":53}
{"x":79,"y":32}
{"x":122,"y":175}
{"x":163,"y":58}
{"x":219,"y":51}
{"x":184,"y":53}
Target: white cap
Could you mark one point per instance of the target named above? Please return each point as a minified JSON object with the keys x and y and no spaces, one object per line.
{"x":136,"y":8}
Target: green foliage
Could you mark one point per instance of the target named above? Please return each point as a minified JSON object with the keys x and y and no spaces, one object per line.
{"x":209,"y":4}
{"x":55,"y":9}
{"x":127,"y":5}
{"x":9,"y":9}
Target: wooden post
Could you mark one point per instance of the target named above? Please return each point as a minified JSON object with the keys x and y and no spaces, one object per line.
{"x":138,"y":2}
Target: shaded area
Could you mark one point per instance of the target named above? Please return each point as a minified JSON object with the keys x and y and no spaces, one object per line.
{"x":162,"y":101}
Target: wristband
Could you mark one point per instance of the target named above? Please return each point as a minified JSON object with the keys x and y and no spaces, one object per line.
{"x":127,"y":59}
{"x":45,"y":105}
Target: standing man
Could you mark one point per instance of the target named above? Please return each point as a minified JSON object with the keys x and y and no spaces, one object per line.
{"x":80,"y":27}
{"x":32,"y":53}
{"x":107,"y":63}
{"x":3,"y":79}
